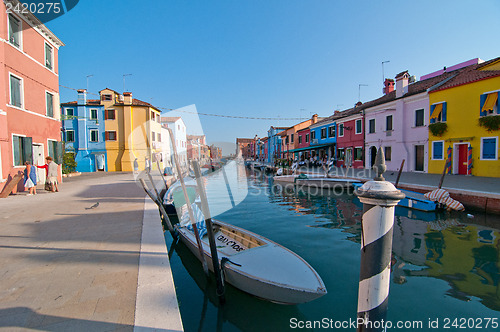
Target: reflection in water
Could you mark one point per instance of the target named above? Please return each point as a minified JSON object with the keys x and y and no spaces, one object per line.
{"x":443,"y":265}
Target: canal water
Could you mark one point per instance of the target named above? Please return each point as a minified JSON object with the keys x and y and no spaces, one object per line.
{"x":445,"y":267}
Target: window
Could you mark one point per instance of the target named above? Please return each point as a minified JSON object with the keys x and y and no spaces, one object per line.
{"x":14,"y":31}
{"x":371,"y":126}
{"x":359,"y":128}
{"x":55,"y":151}
{"x":107,"y":97}
{"x":48,"y":56}
{"x":110,"y":115}
{"x":94,"y":135}
{"x":388,"y":152}
{"x":23,"y":150}
{"x":323,"y":133}
{"x":358,"y":153}
{"x":110,"y":135}
{"x":331,"y":131}
{"x":300,"y":139}
{"x":70,"y":112}
{"x":313,"y":135}
{"x":438,"y":112}
{"x":70,"y":135}
{"x":50,"y":104}
{"x":438,"y":150}
{"x":388,"y":123}
{"x":153,"y":136}
{"x":340,"y":154}
{"x":291,"y":138}
{"x":152,"y":116}
{"x":159,"y":137}
{"x":307,"y":138}
{"x":93,"y":114}
{"x":489,"y":104}
{"x":286,"y":140}
{"x":419,"y":118}
{"x":489,"y":148}
{"x":341,"y":130}
{"x":16,"y":91}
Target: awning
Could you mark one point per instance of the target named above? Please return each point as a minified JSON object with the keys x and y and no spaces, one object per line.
{"x":437,"y":110}
{"x":490,"y":102}
{"x":312,"y":147}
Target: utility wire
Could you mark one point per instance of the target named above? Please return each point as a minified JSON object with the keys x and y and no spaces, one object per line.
{"x":205,"y":114}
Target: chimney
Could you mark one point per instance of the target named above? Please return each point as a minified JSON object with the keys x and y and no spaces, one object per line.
{"x":358,"y":104}
{"x":127,"y":98}
{"x":314,"y":118}
{"x":388,"y":86}
{"x":82,"y":97}
{"x":402,"y":83}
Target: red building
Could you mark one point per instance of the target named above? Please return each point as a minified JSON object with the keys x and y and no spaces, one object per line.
{"x":350,"y":138}
{"x":245,"y":146}
{"x":30,"y":124}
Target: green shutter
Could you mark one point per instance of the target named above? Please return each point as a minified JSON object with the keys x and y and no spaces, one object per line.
{"x":27,"y":149}
{"x":58,"y":156}
{"x":50,"y":105}
{"x":16,"y":147}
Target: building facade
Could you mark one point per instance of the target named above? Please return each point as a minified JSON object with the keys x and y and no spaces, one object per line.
{"x":132,"y":131}
{"x":178,"y":127}
{"x":460,"y":111}
{"x":30,"y":124}
{"x":350,"y":138}
{"x":83,"y":133}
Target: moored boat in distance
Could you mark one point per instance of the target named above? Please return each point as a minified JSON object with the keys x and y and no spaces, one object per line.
{"x":413,"y":200}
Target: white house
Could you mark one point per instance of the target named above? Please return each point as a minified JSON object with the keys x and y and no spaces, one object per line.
{"x":179,"y":130}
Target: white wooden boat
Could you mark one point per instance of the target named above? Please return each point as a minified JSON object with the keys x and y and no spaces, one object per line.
{"x":258,"y":265}
{"x":318,"y":181}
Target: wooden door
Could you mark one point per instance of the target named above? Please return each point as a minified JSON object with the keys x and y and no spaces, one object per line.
{"x":462,"y":159}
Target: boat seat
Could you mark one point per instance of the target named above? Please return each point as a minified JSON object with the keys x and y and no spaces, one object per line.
{"x":244,"y":239}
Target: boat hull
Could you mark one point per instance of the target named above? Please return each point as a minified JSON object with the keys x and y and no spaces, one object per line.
{"x":261,"y":283}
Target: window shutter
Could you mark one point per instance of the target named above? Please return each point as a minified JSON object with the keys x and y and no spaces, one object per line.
{"x":106,"y":135}
{"x":482,"y":100}
{"x":437,"y":150}
{"x":27,"y":149}
{"x":106,"y":114}
{"x":58,"y":152}
{"x":489,"y":148}
{"x":443,"y":116}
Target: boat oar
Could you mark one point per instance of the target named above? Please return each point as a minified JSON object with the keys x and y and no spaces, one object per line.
{"x":161,"y":174}
{"x":160,"y":206}
{"x":399,"y":173}
{"x":210,"y":232}
{"x":188,"y":203}
{"x":230,"y":193}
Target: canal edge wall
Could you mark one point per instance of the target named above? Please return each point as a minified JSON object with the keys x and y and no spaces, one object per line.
{"x":156,"y":302}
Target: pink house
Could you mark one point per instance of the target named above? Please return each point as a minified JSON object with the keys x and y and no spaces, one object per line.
{"x":30,"y":124}
{"x":398,"y":121}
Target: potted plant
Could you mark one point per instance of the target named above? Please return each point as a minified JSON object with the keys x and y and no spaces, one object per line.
{"x":438,"y":128}
{"x":491,"y":123}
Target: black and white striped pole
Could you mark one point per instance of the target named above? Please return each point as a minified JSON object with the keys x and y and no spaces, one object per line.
{"x":379,"y":198}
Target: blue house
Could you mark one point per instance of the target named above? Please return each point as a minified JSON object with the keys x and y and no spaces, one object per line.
{"x":324,"y":138}
{"x":274,"y":143}
{"x":83,"y":132}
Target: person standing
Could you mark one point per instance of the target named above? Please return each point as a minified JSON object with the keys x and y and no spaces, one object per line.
{"x":136,"y":166}
{"x":51,"y":171}
{"x":30,"y":178}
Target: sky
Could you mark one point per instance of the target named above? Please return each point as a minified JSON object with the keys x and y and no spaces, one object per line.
{"x":264,"y":58}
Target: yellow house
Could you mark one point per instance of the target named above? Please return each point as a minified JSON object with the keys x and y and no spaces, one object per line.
{"x":460,"y":107}
{"x":132,"y":131}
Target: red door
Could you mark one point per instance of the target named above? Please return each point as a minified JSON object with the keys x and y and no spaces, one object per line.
{"x":462,"y":159}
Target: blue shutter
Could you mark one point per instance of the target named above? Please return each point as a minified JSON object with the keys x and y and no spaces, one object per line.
{"x":437,"y":150}
{"x":489,"y":145}
{"x":482,"y":99}
{"x":443,"y":113}
{"x":432,"y":120}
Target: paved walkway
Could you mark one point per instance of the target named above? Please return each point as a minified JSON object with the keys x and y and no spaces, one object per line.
{"x":69,"y":265}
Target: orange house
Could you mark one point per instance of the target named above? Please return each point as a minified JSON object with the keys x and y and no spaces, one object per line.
{"x":289,"y":138}
{"x":30,"y":124}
